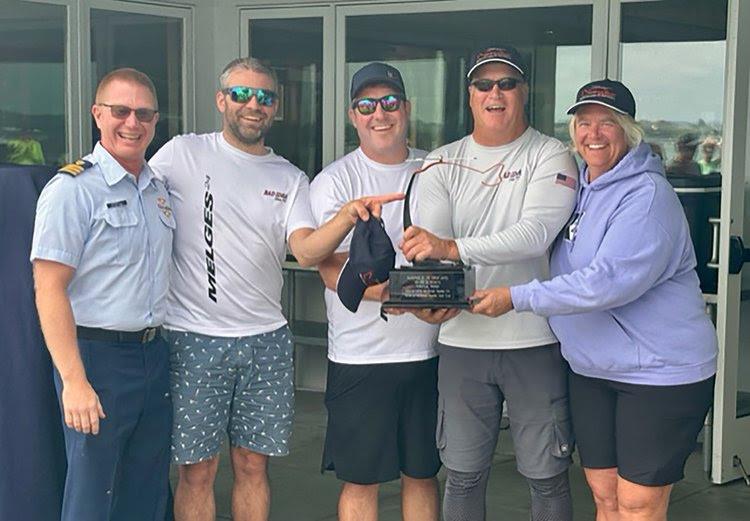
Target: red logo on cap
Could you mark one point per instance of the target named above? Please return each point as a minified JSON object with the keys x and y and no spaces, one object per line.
{"x":597,"y":92}
{"x":368,"y":278}
{"x":494,"y":52}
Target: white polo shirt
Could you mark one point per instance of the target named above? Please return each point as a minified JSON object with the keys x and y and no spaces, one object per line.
{"x":504,"y":206}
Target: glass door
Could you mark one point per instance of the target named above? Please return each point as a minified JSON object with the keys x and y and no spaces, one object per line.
{"x":153,"y":39}
{"x":681,"y":59}
{"x":34,"y":79}
{"x":731,"y":412}
{"x":432,"y":42}
{"x":297,"y":43}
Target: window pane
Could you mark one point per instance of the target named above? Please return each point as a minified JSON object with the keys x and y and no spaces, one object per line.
{"x":432,"y":50}
{"x":294,"y":48}
{"x":33,"y":83}
{"x":151,"y":44}
{"x":573,"y":71}
{"x":673,"y":61}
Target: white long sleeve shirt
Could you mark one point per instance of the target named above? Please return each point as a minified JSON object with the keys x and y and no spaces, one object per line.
{"x":504,"y":206}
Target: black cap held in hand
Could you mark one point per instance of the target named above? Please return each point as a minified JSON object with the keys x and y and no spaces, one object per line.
{"x":371,"y":258}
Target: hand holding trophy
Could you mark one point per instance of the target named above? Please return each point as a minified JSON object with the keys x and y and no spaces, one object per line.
{"x":431,"y":282}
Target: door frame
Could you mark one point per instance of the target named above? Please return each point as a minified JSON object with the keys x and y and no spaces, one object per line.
{"x":185,"y":14}
{"x":725,"y":435}
{"x":329,"y":77}
{"x":731,"y":435}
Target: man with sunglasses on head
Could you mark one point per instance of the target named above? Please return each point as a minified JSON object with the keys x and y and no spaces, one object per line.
{"x":238,"y":206}
{"x":101,"y":254}
{"x":381,"y":391}
{"x":497,"y":199}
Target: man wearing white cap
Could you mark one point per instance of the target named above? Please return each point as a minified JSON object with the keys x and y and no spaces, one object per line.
{"x":497,"y":199}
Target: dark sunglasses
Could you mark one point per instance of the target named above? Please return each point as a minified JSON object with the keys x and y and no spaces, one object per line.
{"x":389,"y":103}
{"x":123,"y":112}
{"x":239,"y":94}
{"x":486,"y":85}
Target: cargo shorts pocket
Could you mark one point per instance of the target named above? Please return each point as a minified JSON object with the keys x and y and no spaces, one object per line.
{"x":564,"y":437}
{"x":441,"y":439}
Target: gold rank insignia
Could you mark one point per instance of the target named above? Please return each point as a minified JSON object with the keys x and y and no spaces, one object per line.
{"x":76,"y":167}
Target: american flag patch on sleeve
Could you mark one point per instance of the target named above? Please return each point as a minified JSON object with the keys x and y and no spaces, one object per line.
{"x":565,"y":180}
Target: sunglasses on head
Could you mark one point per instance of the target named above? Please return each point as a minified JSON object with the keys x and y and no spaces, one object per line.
{"x":389,"y":103}
{"x":486,"y":85}
{"x":240,"y":94}
{"x":123,"y":112}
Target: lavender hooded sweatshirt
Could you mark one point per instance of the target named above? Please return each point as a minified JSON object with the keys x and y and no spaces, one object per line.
{"x":625,"y":300}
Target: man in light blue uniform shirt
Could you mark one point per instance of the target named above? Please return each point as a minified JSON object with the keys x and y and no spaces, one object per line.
{"x":101,"y":253}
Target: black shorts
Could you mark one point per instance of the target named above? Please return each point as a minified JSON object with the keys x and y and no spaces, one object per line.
{"x":646,"y":431}
{"x":381,"y":421}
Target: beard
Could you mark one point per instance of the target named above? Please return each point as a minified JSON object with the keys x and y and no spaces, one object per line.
{"x":244,"y":134}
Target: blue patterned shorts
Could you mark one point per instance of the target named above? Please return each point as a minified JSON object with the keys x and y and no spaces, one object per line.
{"x":242,"y":386}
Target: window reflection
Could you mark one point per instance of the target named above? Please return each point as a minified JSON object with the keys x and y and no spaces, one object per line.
{"x":573,"y":68}
{"x":673,"y":61}
{"x":151,"y":44}
{"x":294,"y":48}
{"x":32,"y":82}
{"x":432,"y":49}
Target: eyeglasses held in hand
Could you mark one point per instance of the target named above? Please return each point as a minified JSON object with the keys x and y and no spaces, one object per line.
{"x":122,"y":112}
{"x":389,"y":103}
{"x":486,"y":85}
{"x":240,"y":94}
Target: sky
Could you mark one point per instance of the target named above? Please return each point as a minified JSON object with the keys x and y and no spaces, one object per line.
{"x":674,"y":81}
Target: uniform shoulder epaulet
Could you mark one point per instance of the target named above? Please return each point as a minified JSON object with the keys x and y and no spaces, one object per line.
{"x":76,"y":167}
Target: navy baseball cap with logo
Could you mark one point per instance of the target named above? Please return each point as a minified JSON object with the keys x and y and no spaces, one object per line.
{"x":371,"y":258}
{"x":377,"y":73}
{"x":499,"y":54}
{"x":608,"y":93}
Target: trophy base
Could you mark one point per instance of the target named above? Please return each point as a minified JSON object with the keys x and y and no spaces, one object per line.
{"x":431,"y":285}
{"x":424,"y":304}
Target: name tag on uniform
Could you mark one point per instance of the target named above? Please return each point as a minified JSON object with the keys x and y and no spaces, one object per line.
{"x":117,"y":204}
{"x":572,"y":227}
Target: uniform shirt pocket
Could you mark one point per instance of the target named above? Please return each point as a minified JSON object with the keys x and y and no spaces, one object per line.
{"x":122,"y":223}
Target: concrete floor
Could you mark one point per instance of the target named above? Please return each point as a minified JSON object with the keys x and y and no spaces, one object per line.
{"x":301,"y":493}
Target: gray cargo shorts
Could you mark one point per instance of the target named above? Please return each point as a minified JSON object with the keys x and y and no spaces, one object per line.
{"x":473,"y":383}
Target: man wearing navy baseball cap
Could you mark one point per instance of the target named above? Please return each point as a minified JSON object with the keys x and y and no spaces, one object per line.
{"x":377,"y":74}
{"x":382,"y":376}
{"x":497,"y":200}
